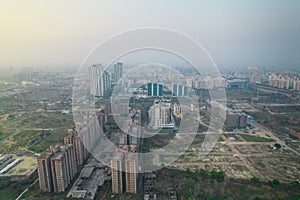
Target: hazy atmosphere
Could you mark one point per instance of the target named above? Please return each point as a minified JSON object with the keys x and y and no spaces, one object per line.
{"x":61,"y":33}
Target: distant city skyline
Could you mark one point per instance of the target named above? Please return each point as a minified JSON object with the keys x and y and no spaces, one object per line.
{"x":55,"y":33}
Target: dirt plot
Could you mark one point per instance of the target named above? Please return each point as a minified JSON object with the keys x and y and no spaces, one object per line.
{"x":285,"y":169}
{"x":263,"y":149}
{"x":238,"y":172}
{"x":221,"y":147}
{"x":295,"y":145}
{"x":206,"y":159}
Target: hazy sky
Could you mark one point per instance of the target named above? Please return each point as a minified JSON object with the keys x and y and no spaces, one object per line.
{"x":61,"y":33}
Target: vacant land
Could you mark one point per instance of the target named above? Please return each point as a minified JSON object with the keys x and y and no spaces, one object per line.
{"x":205,"y":185}
{"x":280,"y":119}
{"x":252,"y":138}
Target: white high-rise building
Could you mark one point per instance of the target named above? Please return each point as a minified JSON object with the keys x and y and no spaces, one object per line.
{"x":160,"y":114}
{"x":100,"y":80}
{"x":96,"y":85}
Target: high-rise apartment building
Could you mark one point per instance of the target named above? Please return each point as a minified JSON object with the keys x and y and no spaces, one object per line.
{"x":160,"y":114}
{"x":117,"y":176}
{"x":124,"y":170}
{"x":80,"y":150}
{"x":106,"y":81}
{"x":118,"y":71}
{"x":96,"y":86}
{"x":255,"y":78}
{"x":179,"y":90}
{"x":57,"y":167}
{"x":44,"y":172}
{"x":100,"y":80}
{"x":131,"y":173}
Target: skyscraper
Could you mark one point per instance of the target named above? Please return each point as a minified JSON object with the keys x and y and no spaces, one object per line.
{"x":56,"y":168}
{"x":96,"y":85}
{"x":44,"y":172}
{"x":117,"y":173}
{"x":155,"y":89}
{"x":106,"y":81}
{"x":179,"y":90}
{"x":124,"y":170}
{"x":160,"y":114}
{"x":80,"y":150}
{"x":131,"y":173}
{"x":118,"y":71}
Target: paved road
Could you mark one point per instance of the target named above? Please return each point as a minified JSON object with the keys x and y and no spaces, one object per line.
{"x":19,"y":197}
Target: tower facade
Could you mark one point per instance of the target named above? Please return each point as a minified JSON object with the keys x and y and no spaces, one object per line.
{"x":56,"y":168}
{"x":96,"y":84}
{"x":44,"y":172}
{"x":118,"y":71}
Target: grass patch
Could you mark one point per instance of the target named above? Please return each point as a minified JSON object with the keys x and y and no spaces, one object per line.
{"x":251,"y":138}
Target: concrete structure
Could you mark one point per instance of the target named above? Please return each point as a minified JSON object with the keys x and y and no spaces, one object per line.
{"x":124,"y":170}
{"x":118,"y":71}
{"x":160,"y":114}
{"x":44,"y":172}
{"x":57,"y":167}
{"x":208,"y":82}
{"x":131,"y":173}
{"x":236,"y":120}
{"x":100,"y":80}
{"x":284,"y":82}
{"x":233,"y":119}
{"x":237,"y":84}
{"x":179,"y":90}
{"x":117,"y":176}
{"x":96,"y":86}
{"x":63,"y":167}
{"x":80,"y":150}
{"x":155,"y":90}
{"x":106,"y":80}
{"x":255,"y":78}
{"x":89,"y":180}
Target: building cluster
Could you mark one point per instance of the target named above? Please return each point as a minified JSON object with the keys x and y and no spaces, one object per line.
{"x":124,"y":172}
{"x":237,"y":83}
{"x":256,"y":78}
{"x":210,"y":82}
{"x":91,"y":177}
{"x":124,"y":164}
{"x":179,"y":90}
{"x":284,"y":82}
{"x":58,"y":165}
{"x":101,"y":80}
{"x":234,"y":119}
{"x":155,"y":90}
{"x":161,"y":115}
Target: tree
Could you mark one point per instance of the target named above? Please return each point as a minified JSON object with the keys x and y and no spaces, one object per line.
{"x":276,"y":182}
{"x":255,"y":180}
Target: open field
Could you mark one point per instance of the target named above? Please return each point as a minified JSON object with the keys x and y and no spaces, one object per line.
{"x":252,"y":138}
{"x":35,"y":131}
{"x":248,"y":156}
{"x":202,"y":185}
{"x":281,"y":120}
